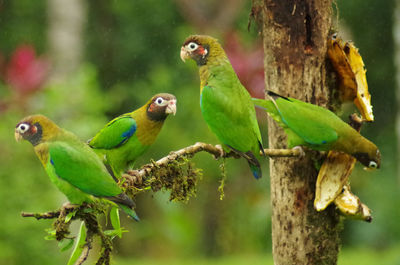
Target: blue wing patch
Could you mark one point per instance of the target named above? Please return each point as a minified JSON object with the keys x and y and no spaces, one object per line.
{"x":127,"y":134}
{"x":115,"y":133}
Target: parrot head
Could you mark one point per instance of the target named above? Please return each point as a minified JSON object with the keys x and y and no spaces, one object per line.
{"x":371,"y":160}
{"x":160,"y":106}
{"x":35,"y":129}
{"x":201,"y":49}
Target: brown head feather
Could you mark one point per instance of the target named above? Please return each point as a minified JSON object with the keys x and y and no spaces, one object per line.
{"x":203,"y":49}
{"x":157,"y":107}
{"x":36,"y":129}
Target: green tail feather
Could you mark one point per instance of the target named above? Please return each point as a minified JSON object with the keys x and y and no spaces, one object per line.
{"x":129,"y":211}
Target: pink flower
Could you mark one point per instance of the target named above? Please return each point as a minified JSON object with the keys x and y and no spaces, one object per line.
{"x":26,"y":73}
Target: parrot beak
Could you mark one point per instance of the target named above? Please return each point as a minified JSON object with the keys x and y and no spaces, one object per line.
{"x":184,"y":54}
{"x":171,"y":108}
{"x":18,"y":136}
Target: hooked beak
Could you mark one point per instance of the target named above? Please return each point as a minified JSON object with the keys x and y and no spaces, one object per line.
{"x":184,"y":54}
{"x":18,"y":136}
{"x":171,"y":108}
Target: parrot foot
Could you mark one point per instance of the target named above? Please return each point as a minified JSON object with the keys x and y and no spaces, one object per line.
{"x":221,"y":152}
{"x":300,"y":150}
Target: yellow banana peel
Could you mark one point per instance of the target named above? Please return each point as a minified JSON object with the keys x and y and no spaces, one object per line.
{"x":332,"y":176}
{"x":351,"y":206}
{"x":351,"y":72}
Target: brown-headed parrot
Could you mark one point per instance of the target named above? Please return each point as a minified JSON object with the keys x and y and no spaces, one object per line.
{"x":225,"y":103}
{"x":72,"y":166}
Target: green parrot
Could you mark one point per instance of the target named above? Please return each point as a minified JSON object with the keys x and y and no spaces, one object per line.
{"x":225,"y":104}
{"x":128,"y":136}
{"x":318,"y":128}
{"x":72,"y":166}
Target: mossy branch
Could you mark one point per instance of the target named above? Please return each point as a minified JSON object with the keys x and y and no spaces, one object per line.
{"x":188,"y":152}
{"x":88,"y":214}
{"x":174,"y":172}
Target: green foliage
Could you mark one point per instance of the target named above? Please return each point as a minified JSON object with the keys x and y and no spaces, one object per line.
{"x":116,"y":224}
{"x":79,"y":245}
{"x":65,"y":244}
{"x":14,"y":31}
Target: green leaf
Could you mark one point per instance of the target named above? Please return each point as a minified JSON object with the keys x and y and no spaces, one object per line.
{"x":65,"y":244}
{"x":51,"y":234}
{"x":70,"y":215}
{"x":114,"y":233}
{"x":114,"y":217}
{"x":80,"y":244}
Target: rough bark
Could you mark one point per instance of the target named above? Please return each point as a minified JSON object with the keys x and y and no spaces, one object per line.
{"x":294,"y":36}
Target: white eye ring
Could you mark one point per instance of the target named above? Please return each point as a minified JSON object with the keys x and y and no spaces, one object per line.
{"x":160,"y":101}
{"x":192,"y":46}
{"x":23,"y":127}
{"x":372,"y":164}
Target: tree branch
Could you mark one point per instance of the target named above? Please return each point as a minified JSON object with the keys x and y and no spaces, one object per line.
{"x":46,"y":215}
{"x":188,"y":152}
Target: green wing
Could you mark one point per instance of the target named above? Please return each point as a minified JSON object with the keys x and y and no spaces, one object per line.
{"x":115,"y":133}
{"x":79,"y":166}
{"x":312,"y":123}
{"x":231,"y":116}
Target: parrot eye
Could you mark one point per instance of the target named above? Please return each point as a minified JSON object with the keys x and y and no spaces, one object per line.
{"x":23,"y":127}
{"x":159,"y":101}
{"x":192,"y":46}
{"x":372,"y":164}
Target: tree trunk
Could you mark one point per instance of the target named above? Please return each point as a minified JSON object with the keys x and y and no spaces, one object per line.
{"x":67,"y":21}
{"x":295,"y":35}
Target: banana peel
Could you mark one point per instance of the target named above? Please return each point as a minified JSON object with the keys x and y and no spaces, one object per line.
{"x":332,"y":183}
{"x":351,"y":206}
{"x":333,"y":175}
{"x":349,"y":66}
{"x":333,"y":178}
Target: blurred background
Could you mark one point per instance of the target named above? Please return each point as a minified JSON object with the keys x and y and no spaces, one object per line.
{"x":82,"y":63}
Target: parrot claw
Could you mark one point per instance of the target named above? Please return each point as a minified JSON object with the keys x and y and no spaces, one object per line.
{"x":221,"y":152}
{"x":300,"y":150}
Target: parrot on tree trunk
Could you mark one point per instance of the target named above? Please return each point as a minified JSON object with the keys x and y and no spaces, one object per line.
{"x":318,"y":128}
{"x":225,"y":104}
{"x":128,"y":136}
{"x":72,"y":166}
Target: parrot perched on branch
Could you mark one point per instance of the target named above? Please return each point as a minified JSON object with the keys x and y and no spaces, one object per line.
{"x":128,"y":136}
{"x":318,"y":128}
{"x":72,"y":166}
{"x":225,"y":104}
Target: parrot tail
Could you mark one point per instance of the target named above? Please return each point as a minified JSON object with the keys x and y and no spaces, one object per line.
{"x":129,"y":211}
{"x":254,"y":164}
{"x":126,"y":204}
{"x":256,"y":170}
{"x":252,"y":160}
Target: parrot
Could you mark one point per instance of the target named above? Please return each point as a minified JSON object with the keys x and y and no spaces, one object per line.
{"x":74,"y":168}
{"x":318,"y":128}
{"x":225,"y":104}
{"x":129,"y":135}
